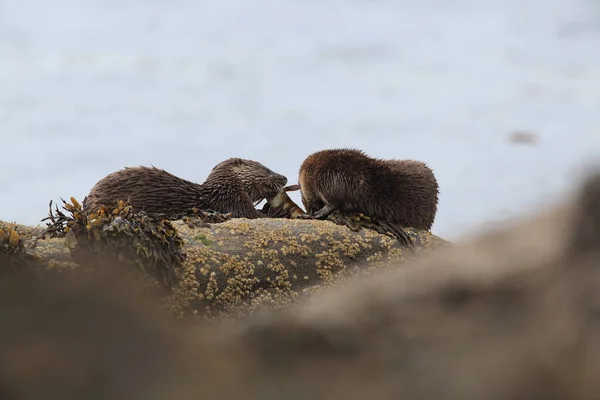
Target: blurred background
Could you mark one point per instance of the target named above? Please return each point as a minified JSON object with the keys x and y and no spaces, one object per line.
{"x":500,"y":97}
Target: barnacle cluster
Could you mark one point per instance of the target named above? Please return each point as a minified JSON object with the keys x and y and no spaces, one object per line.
{"x":120,"y":235}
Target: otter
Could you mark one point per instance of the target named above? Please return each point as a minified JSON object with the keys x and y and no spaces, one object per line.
{"x":402,"y":192}
{"x":233,"y":186}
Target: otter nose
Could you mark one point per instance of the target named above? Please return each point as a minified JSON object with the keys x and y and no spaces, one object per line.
{"x":280,"y":178}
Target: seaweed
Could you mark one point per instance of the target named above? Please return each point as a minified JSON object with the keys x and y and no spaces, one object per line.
{"x":11,"y":242}
{"x":195,"y":218}
{"x":12,"y":246}
{"x":357,"y":221}
{"x":14,"y":259}
{"x":121,"y":236}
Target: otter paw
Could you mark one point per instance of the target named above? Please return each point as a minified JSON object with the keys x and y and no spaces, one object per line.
{"x":325,"y":212}
{"x":306,"y":216}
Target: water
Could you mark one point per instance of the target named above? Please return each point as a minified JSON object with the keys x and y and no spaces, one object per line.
{"x":87,"y":87}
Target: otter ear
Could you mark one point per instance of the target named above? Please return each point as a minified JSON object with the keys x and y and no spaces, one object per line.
{"x":585,"y":228}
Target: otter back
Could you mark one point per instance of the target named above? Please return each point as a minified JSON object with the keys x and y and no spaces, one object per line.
{"x":399,"y":191}
{"x":233,"y":186}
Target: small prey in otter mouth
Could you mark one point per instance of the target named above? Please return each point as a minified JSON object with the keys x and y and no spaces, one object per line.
{"x":281,"y":206}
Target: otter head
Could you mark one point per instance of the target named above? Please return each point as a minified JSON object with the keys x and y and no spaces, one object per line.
{"x":257,"y":180}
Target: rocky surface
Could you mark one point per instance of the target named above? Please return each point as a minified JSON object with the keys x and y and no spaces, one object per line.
{"x":241,"y":265}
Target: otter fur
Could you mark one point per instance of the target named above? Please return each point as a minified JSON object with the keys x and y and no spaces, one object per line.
{"x":403,"y":192}
{"x":233,"y":186}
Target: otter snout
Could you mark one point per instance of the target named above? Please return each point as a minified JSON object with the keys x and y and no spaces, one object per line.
{"x":278,"y":181}
{"x":274,"y":185}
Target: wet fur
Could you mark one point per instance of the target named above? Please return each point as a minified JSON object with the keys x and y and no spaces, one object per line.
{"x":398,"y":191}
{"x":233,"y":186}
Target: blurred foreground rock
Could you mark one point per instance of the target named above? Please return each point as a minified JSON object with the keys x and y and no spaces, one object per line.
{"x":511,"y":315}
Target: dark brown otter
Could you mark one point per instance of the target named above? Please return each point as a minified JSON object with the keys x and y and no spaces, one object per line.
{"x":402,"y":192}
{"x":233,"y":186}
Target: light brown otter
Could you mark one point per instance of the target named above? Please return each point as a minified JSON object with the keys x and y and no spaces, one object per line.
{"x":233,"y":186}
{"x":402,"y":192}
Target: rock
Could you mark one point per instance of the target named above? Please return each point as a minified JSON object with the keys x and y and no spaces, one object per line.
{"x":221,"y":269}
